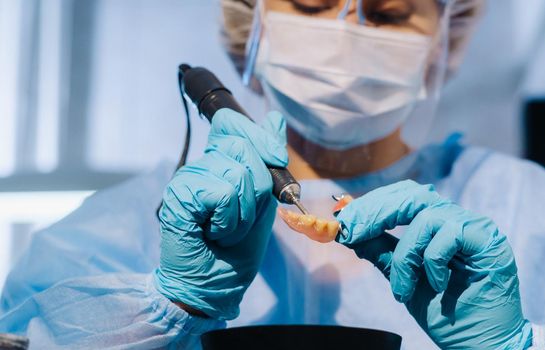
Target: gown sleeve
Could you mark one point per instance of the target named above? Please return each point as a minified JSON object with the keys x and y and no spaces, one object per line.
{"x":110,"y":311}
{"x":86,"y":281}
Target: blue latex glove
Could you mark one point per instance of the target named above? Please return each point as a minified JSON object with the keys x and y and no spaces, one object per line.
{"x":217,"y":215}
{"x":453,"y":269}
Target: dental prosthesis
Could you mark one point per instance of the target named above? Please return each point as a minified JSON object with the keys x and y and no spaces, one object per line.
{"x":317,"y":229}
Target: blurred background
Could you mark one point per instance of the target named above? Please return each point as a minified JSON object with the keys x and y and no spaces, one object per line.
{"x":89,"y":96}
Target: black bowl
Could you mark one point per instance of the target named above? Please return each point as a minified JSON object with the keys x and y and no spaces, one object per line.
{"x":300,"y":338}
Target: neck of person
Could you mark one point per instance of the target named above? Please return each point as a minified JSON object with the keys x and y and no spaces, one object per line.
{"x":310,"y":161}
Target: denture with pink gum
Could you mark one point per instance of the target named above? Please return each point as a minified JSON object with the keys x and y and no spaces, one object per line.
{"x":317,"y":229}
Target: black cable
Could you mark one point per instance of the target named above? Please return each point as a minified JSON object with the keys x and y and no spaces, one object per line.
{"x":185,"y":150}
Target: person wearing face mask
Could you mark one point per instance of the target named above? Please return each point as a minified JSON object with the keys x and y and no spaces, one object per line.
{"x":351,"y":80}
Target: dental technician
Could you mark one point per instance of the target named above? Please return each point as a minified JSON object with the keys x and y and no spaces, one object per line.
{"x":456,"y":233}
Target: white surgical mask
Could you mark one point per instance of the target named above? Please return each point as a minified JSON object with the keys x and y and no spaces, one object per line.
{"x":340,"y":84}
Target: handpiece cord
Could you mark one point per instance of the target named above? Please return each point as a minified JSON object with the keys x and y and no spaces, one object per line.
{"x":185,"y":150}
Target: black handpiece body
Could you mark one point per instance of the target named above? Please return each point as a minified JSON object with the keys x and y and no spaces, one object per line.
{"x":209,"y":95}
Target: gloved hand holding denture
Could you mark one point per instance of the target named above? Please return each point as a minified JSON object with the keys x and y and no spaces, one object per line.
{"x":453,"y":269}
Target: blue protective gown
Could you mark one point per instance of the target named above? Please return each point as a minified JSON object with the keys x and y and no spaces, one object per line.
{"x":85,"y":282}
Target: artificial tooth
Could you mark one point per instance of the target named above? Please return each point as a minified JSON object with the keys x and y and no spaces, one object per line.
{"x":320,"y":225}
{"x":307,"y":220}
{"x":332,"y":228}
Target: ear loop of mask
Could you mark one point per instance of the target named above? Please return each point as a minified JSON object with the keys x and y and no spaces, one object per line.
{"x":346,"y":8}
{"x":440,"y":57}
{"x":252,"y":47}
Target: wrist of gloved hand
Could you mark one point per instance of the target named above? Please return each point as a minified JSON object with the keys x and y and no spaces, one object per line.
{"x":190,"y":310}
{"x":524,"y":339}
{"x":537,"y":338}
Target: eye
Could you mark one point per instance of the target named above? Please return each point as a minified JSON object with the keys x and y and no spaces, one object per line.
{"x":312,"y":7}
{"x":383,"y":18}
{"x":389,"y":12}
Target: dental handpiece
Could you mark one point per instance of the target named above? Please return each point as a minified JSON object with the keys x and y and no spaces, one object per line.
{"x":209,"y":95}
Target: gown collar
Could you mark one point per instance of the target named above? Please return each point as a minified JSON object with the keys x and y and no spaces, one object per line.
{"x":426,"y":165}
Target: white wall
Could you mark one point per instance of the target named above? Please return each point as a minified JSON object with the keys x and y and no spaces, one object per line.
{"x":484,"y":99}
{"x":23,"y":213}
{"x":136,"y":110}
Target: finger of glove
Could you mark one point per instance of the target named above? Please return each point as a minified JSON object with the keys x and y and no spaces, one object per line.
{"x":240,"y":178}
{"x":193,"y":196}
{"x":383,"y":209}
{"x":276,"y":125}
{"x":269,"y":148}
{"x":441,"y":250}
{"x":408,"y":256}
{"x":477,"y":240}
{"x":240,"y":150}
